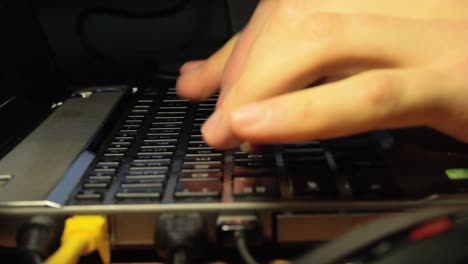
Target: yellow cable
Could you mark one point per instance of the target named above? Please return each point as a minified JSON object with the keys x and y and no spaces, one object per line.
{"x":82,"y":235}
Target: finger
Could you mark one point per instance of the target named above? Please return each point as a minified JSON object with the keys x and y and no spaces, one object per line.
{"x":372,"y":100}
{"x":332,"y":45}
{"x":241,"y":49}
{"x":202,"y":82}
{"x":452,"y":115}
{"x":191,"y":66}
{"x":222,"y":67}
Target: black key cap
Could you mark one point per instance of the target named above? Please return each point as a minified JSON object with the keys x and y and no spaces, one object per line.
{"x":128,"y":184}
{"x":128,"y":132}
{"x":162,"y":136}
{"x":100,"y":178}
{"x":373,"y":185}
{"x":103,"y":172}
{"x":198,"y":144}
{"x":107,"y":164}
{"x":203,"y":151}
{"x":169,"y":118}
{"x":253,"y":156}
{"x":250,"y":186}
{"x":160,"y":155}
{"x":148,"y":170}
{"x":147,"y":177}
{"x":201,"y":175}
{"x":198,"y":189}
{"x":313,"y":183}
{"x":202,"y":165}
{"x":151,"y":163}
{"x":135,"y":193}
{"x":165,"y":130}
{"x":157,"y":181}
{"x":114,"y":155}
{"x":90,"y":184}
{"x":255,"y":164}
{"x":171,"y":113}
{"x":116,"y":150}
{"x":151,"y":141}
{"x":246,"y":171}
{"x":89,"y":195}
{"x":202,"y":158}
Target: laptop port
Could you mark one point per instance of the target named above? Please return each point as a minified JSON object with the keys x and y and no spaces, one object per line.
{"x":227,"y":226}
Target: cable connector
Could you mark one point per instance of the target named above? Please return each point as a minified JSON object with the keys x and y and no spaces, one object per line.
{"x":238,"y":229}
{"x":37,"y":239}
{"x":180,"y":238}
{"x":82,"y":236}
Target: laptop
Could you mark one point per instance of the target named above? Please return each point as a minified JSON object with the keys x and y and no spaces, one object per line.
{"x":135,"y":152}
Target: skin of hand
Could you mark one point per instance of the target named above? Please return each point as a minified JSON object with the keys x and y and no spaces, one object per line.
{"x":406,"y":65}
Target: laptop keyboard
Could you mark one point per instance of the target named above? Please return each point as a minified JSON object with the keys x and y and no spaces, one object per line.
{"x":157,"y":155}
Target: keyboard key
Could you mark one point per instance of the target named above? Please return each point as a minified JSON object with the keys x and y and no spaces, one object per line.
{"x":103,"y":172}
{"x":151,"y":163}
{"x":120,"y":143}
{"x":165,"y":130}
{"x":108,"y":164}
{"x":171,"y":113}
{"x":255,"y":164}
{"x":202,"y":158}
{"x":148,"y":155}
{"x":313,"y":183}
{"x":203,"y":151}
{"x":202,"y":165}
{"x":153,"y":193}
{"x":173,"y":108}
{"x":135,"y":117}
{"x":247,"y":171}
{"x":156,"y":149}
{"x":201,"y":175}
{"x":373,"y":185}
{"x":89,"y":195}
{"x":168,"y":125}
{"x":114,"y":155}
{"x":117,"y":150}
{"x":255,"y":186}
{"x":260,"y":156}
{"x":198,"y":189}
{"x":141,"y":184}
{"x":89,"y":184}
{"x":128,"y":132}
{"x":151,"y":141}
{"x":197,"y":144}
{"x":148,"y":170}
{"x":100,"y":178}
{"x":142,"y":106}
{"x":154,"y":177}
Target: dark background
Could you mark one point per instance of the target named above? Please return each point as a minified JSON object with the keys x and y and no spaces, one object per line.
{"x":135,"y":44}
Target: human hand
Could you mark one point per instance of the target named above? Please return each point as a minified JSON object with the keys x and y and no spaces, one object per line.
{"x":405,"y":70}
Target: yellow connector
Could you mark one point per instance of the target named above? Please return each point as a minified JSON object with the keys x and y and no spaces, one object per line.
{"x":82,"y":236}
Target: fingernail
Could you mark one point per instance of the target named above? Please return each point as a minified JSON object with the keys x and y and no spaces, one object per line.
{"x":250,"y":116}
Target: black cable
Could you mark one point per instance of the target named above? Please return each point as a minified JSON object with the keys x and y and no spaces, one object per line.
{"x":181,"y":238}
{"x":179,"y":257}
{"x":242,"y":248}
{"x":31,"y":258}
{"x":86,"y":43}
{"x":37,"y":239}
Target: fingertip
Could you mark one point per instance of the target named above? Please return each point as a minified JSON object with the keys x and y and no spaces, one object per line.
{"x":191,"y":66}
{"x":190,"y":86}
{"x":216,"y":132}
